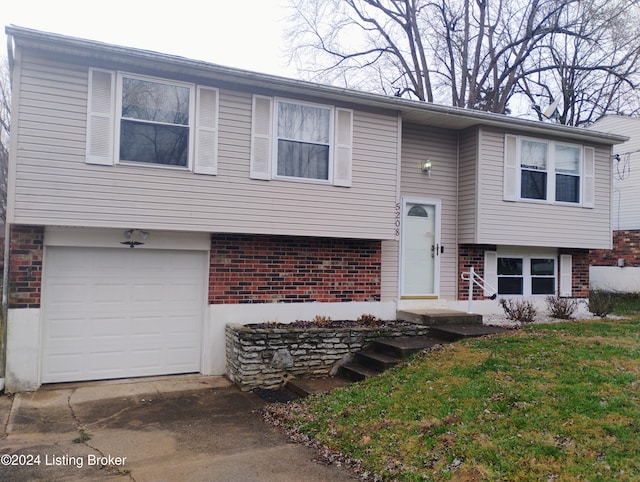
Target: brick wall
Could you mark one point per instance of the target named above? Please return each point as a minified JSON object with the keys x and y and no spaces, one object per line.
{"x":264,"y":269}
{"x":580,"y":260}
{"x":626,"y":245}
{"x":25,"y":266}
{"x":471,"y":255}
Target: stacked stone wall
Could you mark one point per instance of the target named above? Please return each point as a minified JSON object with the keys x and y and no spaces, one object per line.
{"x":267,"y":357}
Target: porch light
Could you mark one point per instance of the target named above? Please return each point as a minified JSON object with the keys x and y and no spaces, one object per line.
{"x":426,"y":167}
{"x":134,"y":237}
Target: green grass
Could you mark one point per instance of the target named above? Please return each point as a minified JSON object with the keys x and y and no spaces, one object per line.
{"x":626,"y":304}
{"x":549,"y":402}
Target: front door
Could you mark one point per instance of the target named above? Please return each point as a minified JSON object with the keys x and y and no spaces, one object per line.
{"x":420,"y":249}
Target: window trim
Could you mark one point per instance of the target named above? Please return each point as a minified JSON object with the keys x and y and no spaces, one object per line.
{"x":512,"y":172}
{"x":120,"y":75}
{"x":527,"y":276}
{"x":550,"y":171}
{"x":331,"y":143}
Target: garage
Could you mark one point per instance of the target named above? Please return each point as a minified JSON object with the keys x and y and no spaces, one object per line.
{"x":119,"y":313}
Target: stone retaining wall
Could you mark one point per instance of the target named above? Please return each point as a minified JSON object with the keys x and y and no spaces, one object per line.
{"x":266,"y":357}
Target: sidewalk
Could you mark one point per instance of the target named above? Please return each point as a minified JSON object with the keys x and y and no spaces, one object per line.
{"x":189,"y":428}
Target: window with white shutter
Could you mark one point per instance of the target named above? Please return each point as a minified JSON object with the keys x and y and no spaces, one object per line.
{"x":100,"y":112}
{"x":135,"y":119}
{"x":301,"y":141}
{"x":545,"y":171}
{"x":206,"y":152}
{"x":261,"y":135}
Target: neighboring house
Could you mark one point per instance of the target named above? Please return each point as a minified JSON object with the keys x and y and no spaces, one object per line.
{"x":619,"y":269}
{"x":154,"y":199}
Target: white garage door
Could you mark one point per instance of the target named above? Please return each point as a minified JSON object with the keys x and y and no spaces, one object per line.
{"x":113,"y":313}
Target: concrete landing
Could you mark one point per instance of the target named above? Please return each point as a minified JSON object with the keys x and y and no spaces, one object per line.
{"x":304,"y":387}
{"x":458,"y":332}
{"x":439,"y":317}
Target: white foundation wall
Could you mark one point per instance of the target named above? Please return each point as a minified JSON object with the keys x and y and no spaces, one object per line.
{"x":22,"y":372}
{"x":613,"y":278}
{"x":214,"y":349}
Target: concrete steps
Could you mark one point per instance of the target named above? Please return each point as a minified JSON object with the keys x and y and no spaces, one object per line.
{"x":445,"y":326}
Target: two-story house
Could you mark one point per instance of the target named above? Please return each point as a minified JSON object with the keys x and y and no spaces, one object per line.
{"x":153,"y":199}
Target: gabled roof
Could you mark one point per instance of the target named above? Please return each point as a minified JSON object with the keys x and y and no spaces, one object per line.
{"x":411,"y":110}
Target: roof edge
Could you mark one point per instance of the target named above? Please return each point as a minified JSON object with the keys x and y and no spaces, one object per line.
{"x":53,"y":41}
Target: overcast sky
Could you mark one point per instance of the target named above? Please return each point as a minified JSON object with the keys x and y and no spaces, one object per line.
{"x":247,"y":34}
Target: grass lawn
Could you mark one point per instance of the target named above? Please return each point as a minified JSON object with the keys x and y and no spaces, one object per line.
{"x":548,"y":402}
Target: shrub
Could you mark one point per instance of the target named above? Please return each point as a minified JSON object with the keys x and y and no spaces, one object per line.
{"x":562,"y":308}
{"x":368,"y":319}
{"x":519,"y":310}
{"x":601,"y":303}
{"x":320,"y":320}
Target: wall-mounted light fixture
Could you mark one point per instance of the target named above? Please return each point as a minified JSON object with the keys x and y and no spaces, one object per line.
{"x":426,"y":167}
{"x":134,"y":237}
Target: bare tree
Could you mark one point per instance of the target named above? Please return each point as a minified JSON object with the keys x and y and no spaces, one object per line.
{"x":479,"y":54}
{"x":593,"y":71}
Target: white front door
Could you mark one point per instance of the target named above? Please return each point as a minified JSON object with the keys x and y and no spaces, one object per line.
{"x":420,"y":249}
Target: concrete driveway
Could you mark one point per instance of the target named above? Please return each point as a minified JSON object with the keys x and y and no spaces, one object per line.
{"x":187,"y":428}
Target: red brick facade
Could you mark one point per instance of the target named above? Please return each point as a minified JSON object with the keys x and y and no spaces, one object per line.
{"x":626,"y":245}
{"x":264,"y":269}
{"x":580,"y":259}
{"x":471,"y":255}
{"x":25,"y":266}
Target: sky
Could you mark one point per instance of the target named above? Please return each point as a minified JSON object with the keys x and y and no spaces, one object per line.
{"x":246,"y":34}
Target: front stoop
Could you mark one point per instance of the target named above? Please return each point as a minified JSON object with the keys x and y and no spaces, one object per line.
{"x":439,"y":317}
{"x":458,"y":332}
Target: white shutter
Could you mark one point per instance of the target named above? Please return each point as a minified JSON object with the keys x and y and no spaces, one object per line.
{"x":206,"y":152}
{"x":100,"y":114}
{"x":343,"y":140}
{"x":261,"y":137}
{"x":510,"y":187}
{"x":491,"y":272}
{"x":588,"y":178}
{"x":565,"y":275}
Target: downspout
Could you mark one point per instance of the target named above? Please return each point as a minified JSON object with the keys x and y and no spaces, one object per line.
{"x":4,"y":309}
{"x":457,"y":218}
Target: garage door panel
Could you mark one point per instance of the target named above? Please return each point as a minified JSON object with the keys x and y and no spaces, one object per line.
{"x":113,"y":313}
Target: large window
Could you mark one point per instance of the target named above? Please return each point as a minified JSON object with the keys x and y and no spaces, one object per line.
{"x":550,"y":171}
{"x":154,"y":121}
{"x":524,"y":275}
{"x":303,"y":147}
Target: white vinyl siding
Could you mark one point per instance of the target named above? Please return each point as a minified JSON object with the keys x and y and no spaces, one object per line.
{"x":52,"y":153}
{"x":531,"y":223}
{"x":626,"y":182}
